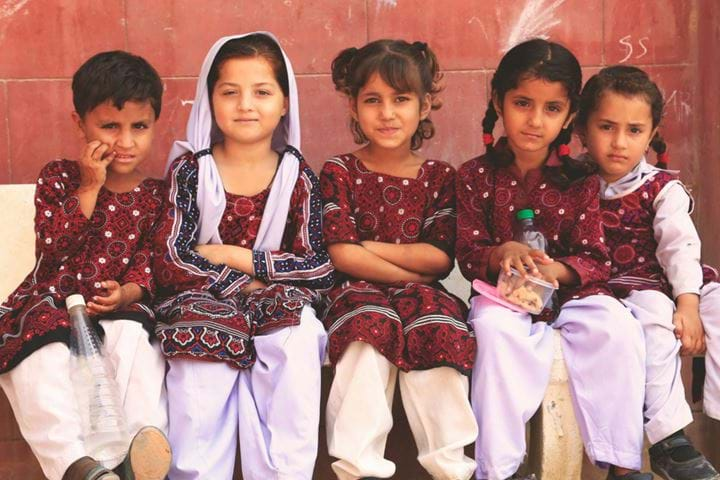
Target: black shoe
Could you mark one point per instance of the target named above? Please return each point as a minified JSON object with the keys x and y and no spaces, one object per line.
{"x":675,"y":458}
{"x":86,"y":468}
{"x":629,"y":476}
{"x":517,"y":476}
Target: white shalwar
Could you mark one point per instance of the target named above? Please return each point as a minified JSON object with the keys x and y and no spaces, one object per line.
{"x":42,"y":397}
{"x":678,"y":253}
{"x":271,"y":410}
{"x":604,"y":352}
{"x":359,"y":416}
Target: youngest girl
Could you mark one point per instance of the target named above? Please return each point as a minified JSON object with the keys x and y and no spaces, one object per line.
{"x":656,"y":268}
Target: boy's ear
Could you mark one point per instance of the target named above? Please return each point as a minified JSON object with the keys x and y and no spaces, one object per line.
{"x":78,"y":121}
{"x":425,"y":106}
{"x":285,"y":106}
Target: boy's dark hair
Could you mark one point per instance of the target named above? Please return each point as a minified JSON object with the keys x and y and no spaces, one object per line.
{"x":250,"y":46}
{"x":116,"y":76}
{"x":628,"y":81}
{"x":406,"y":67}
{"x":552,"y":62}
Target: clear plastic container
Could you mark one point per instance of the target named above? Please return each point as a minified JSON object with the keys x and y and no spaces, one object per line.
{"x":531,"y":293}
{"x":103,"y":419}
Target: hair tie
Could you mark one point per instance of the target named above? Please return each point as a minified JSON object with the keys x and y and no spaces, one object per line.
{"x":488,"y":139}
{"x":563,"y":150}
{"x":202,"y":153}
{"x":663,"y":158}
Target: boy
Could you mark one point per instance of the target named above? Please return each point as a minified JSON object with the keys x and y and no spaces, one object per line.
{"x":93,"y":222}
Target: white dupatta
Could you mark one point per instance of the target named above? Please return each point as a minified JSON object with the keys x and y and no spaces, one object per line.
{"x":210,"y":193}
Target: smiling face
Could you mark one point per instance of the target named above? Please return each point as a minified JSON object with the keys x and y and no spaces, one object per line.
{"x":248,"y":103}
{"x":128,"y":132}
{"x":533,"y":115}
{"x":618,"y":133}
{"x":388,"y":118}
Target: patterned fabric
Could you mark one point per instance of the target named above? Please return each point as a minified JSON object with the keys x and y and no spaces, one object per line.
{"x":201,"y":308}
{"x":488,"y":200}
{"x":628,"y":223}
{"x":414,"y":326}
{"x":75,"y":254}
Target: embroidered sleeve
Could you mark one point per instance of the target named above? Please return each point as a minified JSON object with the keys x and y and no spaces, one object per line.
{"x":141,"y":263}
{"x":474,"y":242}
{"x":440,"y":226}
{"x":180,"y":267}
{"x":60,"y":226}
{"x":678,"y":242}
{"x":587,"y":253}
{"x":306,"y":262}
{"x":338,"y":220}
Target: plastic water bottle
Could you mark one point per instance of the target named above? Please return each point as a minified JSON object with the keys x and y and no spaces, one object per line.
{"x":527,"y":233}
{"x":103,"y":420}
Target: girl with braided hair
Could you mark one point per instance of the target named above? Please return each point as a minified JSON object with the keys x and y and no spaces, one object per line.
{"x":535,"y":91}
{"x":656,"y":269}
{"x":389,"y":222}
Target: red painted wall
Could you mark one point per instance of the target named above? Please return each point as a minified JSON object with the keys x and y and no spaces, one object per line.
{"x":44,"y":41}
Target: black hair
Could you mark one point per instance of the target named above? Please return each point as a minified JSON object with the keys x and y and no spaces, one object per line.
{"x":552,"y":62}
{"x":250,"y":46}
{"x":406,"y":67}
{"x":628,"y":81}
{"x":118,"y":77}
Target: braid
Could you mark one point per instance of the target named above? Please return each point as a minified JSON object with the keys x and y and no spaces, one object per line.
{"x":660,"y":148}
{"x":488,"y":125}
{"x":571,"y":169}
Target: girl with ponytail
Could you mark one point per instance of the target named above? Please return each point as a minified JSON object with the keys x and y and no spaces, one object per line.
{"x":389,"y":222}
{"x":656,"y":269}
{"x":535,"y":92}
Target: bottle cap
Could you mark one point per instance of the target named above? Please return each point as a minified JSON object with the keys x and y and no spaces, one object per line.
{"x":74,"y":301}
{"x":525,"y":214}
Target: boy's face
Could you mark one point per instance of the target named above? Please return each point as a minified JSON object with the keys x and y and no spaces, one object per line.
{"x":128,"y":132}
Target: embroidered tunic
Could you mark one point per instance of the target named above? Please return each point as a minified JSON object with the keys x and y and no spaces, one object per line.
{"x":414,"y":326}
{"x":489,"y":198}
{"x":74,"y":254}
{"x":649,"y":231}
{"x":202,"y":311}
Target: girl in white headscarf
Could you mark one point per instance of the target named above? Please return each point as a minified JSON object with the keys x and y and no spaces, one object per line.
{"x":240,"y":263}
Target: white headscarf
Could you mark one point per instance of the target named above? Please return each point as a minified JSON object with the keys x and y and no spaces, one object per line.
{"x":211,"y":194}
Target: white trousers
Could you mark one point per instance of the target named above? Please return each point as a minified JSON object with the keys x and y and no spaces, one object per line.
{"x":666,"y":409}
{"x":604,"y":353}
{"x":272,"y":409}
{"x":359,"y":416}
{"x":42,"y":397}
{"x":710,"y":315}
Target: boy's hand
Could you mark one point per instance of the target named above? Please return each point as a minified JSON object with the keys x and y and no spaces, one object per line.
{"x":114,"y":299}
{"x":93,"y":165}
{"x":688,"y":326}
{"x":518,"y":255}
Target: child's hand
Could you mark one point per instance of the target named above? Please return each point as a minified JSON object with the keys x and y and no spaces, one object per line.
{"x":552,"y":272}
{"x":688,"y":326}
{"x":217,"y":254}
{"x":518,"y":255}
{"x":93,"y":165}
{"x":252,"y":286}
{"x":114,"y":299}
